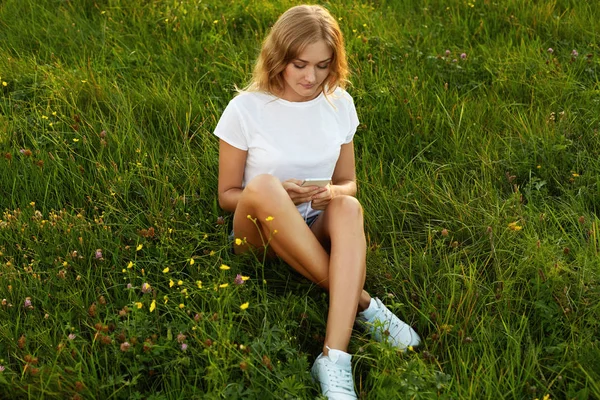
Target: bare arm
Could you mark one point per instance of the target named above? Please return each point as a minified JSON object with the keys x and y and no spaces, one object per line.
{"x":344,"y":175}
{"x":232,"y":162}
{"x":343,"y":181}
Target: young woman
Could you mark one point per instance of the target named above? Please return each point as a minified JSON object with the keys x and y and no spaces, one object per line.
{"x":292,"y":123}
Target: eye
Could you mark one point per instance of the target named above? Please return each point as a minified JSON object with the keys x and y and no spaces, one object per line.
{"x":299,"y":66}
{"x":323,"y":66}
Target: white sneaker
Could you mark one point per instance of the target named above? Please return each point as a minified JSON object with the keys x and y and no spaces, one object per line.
{"x":334,"y":374}
{"x":386,"y":327}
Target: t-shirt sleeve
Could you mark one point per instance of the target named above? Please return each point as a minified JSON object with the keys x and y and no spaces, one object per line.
{"x":353,"y":118}
{"x":230,"y":127}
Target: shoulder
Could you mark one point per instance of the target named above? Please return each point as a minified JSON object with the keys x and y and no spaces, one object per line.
{"x":250,"y":100}
{"x":342,"y":93}
{"x":341,"y":97}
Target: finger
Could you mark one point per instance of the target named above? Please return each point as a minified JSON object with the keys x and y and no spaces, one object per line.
{"x":299,"y":199}
{"x":319,"y":202}
{"x":296,"y":182}
{"x":318,"y":206}
{"x":307,"y":191}
{"x":321,"y":194}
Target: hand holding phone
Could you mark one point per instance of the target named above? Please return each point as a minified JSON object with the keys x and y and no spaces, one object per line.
{"x":320,"y":182}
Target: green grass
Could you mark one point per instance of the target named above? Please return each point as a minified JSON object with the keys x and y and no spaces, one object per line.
{"x":478,"y":175}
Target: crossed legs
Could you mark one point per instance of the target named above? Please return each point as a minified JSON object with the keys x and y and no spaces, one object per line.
{"x":341,"y":271}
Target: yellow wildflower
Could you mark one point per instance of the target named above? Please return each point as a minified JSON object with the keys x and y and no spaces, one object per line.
{"x":139,"y":305}
{"x":139,"y":247}
{"x":244,"y":306}
{"x":269,"y":218}
{"x":238,"y":241}
{"x":225,"y":267}
{"x":130,"y":265}
{"x":514,"y":227}
{"x":212,"y":253}
{"x":166,"y":299}
{"x":181,"y":305}
{"x":4,"y":84}
{"x":245,"y":278}
{"x":153,"y":305}
{"x":180,"y":282}
{"x":192,"y":261}
{"x":223,"y":285}
{"x":199,"y":283}
{"x":171,"y":283}
{"x":75,"y":140}
{"x":165,"y":270}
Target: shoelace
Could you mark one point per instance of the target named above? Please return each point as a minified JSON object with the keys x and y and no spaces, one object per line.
{"x":390,"y":321}
{"x":385,"y":321}
{"x":340,"y":379}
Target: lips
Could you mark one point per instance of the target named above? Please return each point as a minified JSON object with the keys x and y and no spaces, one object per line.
{"x":307,"y":86}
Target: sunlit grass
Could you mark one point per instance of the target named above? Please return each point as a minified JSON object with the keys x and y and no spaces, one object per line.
{"x":477,"y":161}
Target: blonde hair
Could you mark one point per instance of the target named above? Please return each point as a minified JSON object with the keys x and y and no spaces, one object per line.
{"x":294,"y":30}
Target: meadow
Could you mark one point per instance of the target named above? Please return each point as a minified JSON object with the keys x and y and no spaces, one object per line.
{"x":478,"y":166}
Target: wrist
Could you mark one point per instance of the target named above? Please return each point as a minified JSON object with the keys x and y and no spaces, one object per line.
{"x":346,"y":188}
{"x":334,"y":190}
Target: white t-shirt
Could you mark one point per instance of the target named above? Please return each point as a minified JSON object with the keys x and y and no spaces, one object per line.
{"x":289,"y":139}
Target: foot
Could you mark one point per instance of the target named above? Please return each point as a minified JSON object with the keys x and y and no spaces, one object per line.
{"x":334,"y":374}
{"x":384,"y":326}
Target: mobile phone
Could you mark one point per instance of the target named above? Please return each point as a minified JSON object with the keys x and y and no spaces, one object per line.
{"x":320,"y":182}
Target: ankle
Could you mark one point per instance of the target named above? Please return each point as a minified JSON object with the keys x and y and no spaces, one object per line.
{"x":327,"y":349}
{"x":364,"y":302}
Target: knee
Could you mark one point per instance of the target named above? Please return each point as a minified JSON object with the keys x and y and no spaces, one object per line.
{"x":346,"y":206}
{"x":264,"y":186}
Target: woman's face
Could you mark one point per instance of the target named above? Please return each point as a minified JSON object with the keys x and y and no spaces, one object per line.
{"x":305,"y":74}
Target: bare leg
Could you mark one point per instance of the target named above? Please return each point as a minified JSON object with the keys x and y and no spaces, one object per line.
{"x":341,"y":225}
{"x":342,"y":274}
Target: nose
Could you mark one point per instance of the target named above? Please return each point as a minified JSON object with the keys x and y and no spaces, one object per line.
{"x":310,"y":75}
